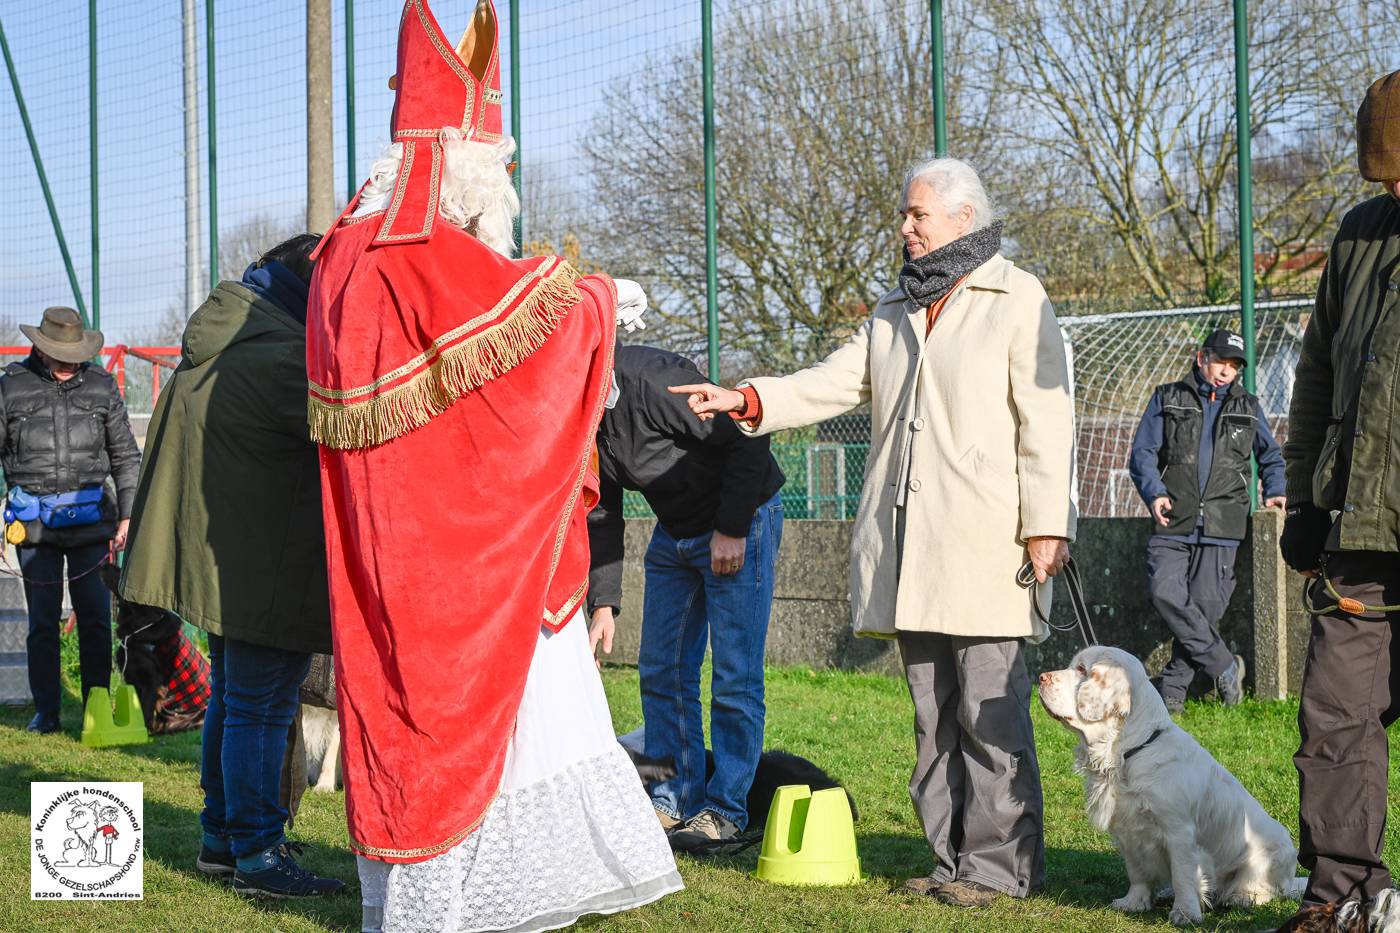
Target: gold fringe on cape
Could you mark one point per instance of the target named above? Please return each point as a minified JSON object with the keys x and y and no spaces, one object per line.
{"x":453,"y":373}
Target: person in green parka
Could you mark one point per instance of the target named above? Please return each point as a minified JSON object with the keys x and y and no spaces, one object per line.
{"x":227,"y":532}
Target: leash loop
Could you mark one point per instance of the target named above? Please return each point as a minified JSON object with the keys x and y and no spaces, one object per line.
{"x":1347,"y":604}
{"x":1025,"y":578}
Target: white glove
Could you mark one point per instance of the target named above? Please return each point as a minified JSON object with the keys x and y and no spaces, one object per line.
{"x":631,"y":305}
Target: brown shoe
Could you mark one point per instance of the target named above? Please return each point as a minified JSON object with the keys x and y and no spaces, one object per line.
{"x":668,"y":822}
{"x":966,"y":894}
{"x":703,"y":832}
{"x":924,"y":886}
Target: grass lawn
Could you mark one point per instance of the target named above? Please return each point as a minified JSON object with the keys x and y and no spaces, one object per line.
{"x":857,"y":726}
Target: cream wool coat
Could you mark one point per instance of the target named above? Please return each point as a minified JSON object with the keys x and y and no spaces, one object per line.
{"x":972,"y":430}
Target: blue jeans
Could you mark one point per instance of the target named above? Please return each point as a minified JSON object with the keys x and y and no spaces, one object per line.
{"x":687,"y":605}
{"x":254,"y":700}
{"x":42,"y":566}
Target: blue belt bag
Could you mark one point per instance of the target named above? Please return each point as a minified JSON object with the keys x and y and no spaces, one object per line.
{"x":70,"y":509}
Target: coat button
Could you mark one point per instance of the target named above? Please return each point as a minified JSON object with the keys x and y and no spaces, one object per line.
{"x":918,"y":424}
{"x":914,"y":485}
{"x":1348,"y":508}
{"x":1358,"y":432}
{"x":1370,"y":358}
{"x":1394,"y":285}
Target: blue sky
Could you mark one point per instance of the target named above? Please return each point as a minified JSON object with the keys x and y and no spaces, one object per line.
{"x":572,"y":50}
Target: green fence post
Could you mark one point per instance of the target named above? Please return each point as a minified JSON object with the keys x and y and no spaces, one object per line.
{"x":351,"y":178}
{"x":213,"y":146}
{"x":515,"y":119}
{"x":43,"y":178}
{"x":711,"y":245}
{"x":92,"y":165}
{"x":940,"y":107}
{"x":1246,"y":210}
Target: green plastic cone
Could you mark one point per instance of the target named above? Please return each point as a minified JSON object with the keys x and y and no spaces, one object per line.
{"x":103,"y":726}
{"x":810,"y":838}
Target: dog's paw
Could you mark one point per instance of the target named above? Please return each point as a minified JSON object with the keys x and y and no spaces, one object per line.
{"x":1185,"y":915}
{"x":1134,"y":902}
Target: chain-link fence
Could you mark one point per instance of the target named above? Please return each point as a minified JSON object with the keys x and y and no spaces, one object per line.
{"x":1105,"y":131}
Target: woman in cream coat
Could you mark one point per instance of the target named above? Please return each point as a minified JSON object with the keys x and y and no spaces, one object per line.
{"x":969,"y":477}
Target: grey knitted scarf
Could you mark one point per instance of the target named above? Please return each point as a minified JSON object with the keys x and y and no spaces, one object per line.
{"x":933,"y":275}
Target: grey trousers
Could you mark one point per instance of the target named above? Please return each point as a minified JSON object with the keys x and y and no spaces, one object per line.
{"x":1191,"y":585}
{"x":976,"y":784}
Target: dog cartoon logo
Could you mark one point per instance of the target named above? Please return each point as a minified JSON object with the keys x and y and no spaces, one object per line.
{"x":86,"y":841}
{"x":80,"y":847}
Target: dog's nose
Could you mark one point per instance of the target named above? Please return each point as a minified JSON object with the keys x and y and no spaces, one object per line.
{"x":1045,"y":679}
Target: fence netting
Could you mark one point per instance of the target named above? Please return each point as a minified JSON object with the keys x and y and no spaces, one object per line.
{"x":1104,"y":131}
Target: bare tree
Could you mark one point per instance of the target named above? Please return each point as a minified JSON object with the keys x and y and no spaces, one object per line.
{"x":1133,"y":104}
{"x":820,"y":109}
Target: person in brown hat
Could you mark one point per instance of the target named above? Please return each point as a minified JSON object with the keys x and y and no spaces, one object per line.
{"x":63,"y":432}
{"x":1343,"y":528}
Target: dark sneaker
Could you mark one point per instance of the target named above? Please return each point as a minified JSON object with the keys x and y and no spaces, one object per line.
{"x":704,"y":831}
{"x":1175,"y":705}
{"x":924,"y":886}
{"x":966,"y":894}
{"x":43,"y":724}
{"x":217,"y":865}
{"x":281,"y":877}
{"x":1230,"y":685}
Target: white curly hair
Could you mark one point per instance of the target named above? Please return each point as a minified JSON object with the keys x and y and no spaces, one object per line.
{"x":475,"y":193}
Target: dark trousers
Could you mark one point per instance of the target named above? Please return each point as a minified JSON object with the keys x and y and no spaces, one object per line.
{"x":976,"y":782}
{"x":251,"y":707}
{"x":42,"y":566}
{"x":1191,"y":584}
{"x":1351,"y":694}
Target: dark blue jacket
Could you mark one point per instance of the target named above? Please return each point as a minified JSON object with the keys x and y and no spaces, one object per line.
{"x":1147,"y":443}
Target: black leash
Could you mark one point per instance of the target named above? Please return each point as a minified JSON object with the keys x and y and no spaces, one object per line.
{"x":1025,"y":578}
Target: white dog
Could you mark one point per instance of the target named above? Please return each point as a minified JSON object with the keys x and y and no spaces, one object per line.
{"x":1175,"y":814}
{"x":321,"y":731}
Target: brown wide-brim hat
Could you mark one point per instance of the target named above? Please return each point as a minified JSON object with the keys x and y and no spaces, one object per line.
{"x":62,"y":336}
{"x":1378,"y":130}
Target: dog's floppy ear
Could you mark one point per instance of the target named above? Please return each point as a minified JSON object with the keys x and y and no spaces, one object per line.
{"x":1106,"y":691}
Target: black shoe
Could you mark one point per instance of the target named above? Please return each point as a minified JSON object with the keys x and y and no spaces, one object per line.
{"x":283,"y":877}
{"x":217,"y":865}
{"x":43,"y":724}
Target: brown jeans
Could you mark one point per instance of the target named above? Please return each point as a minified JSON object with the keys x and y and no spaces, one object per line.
{"x":1351,"y":694}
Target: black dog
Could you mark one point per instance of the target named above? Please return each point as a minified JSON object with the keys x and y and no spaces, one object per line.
{"x":141,"y":630}
{"x":776,"y":768}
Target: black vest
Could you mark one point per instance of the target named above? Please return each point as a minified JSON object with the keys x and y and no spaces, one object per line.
{"x":1224,"y":506}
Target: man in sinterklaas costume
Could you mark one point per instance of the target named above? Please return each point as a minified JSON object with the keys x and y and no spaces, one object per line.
{"x":455,"y":393}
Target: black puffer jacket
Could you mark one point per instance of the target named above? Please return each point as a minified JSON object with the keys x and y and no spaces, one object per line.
{"x":60,"y":436}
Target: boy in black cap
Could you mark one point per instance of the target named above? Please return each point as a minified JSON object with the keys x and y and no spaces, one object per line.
{"x":1190,"y":463}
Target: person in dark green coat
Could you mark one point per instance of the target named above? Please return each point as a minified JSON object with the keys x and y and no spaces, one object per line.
{"x":227,"y":532}
{"x":1343,"y":528}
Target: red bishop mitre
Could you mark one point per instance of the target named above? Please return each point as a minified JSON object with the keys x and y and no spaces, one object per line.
{"x":437,"y":85}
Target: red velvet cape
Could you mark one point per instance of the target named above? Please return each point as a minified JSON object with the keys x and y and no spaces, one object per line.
{"x":456,"y":394}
